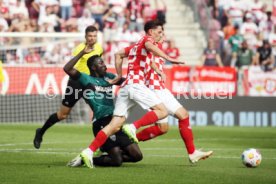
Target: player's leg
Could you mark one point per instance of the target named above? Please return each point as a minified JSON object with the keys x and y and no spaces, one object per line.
{"x":187,"y":135}
{"x":159,"y":128}
{"x":147,"y":99}
{"x":72,"y":94}
{"x":114,"y":158}
{"x":132,"y":153}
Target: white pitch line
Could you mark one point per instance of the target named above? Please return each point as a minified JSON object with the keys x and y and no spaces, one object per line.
{"x":145,"y":155}
{"x":155,"y":140}
{"x":73,"y":152}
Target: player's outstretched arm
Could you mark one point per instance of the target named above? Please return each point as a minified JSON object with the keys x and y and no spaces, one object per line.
{"x":156,"y":69}
{"x":158,"y":52}
{"x":119,"y":56}
{"x":69,"y":67}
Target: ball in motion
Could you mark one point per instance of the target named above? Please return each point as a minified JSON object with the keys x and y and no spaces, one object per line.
{"x":251,"y":157}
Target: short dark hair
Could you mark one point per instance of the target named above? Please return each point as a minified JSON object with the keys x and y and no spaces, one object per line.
{"x":91,"y":61}
{"x":90,"y":29}
{"x":152,"y":25}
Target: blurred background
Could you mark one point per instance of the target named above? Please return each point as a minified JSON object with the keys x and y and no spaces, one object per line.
{"x":229,"y":48}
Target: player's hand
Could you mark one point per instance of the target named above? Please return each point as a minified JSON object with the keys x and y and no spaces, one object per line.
{"x":114,"y":81}
{"x":176,"y":61}
{"x":163,"y":77}
{"x":87,"y":49}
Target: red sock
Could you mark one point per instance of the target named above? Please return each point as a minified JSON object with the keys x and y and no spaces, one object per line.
{"x":187,"y":134}
{"x":149,"y":118}
{"x":149,"y":133}
{"x":98,"y":141}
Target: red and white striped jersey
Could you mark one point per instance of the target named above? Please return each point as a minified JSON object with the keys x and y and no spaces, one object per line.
{"x":138,"y":62}
{"x":153,"y":80}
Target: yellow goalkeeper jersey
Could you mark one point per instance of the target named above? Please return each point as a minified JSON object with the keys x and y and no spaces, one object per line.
{"x":81,"y":65}
{"x":1,"y":72}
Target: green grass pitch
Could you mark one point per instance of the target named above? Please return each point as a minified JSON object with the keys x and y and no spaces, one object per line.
{"x":165,"y":159}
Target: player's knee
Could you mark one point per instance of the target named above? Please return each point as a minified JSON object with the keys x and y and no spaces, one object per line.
{"x":62,"y":116}
{"x":117,"y":161}
{"x":138,"y":156}
{"x":164,"y":127}
{"x":162,"y":111}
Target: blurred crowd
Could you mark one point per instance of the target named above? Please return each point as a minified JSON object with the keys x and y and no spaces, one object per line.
{"x":120,"y":23}
{"x":241,"y":33}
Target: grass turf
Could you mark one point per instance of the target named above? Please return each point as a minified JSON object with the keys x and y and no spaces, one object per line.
{"x":165,"y":159}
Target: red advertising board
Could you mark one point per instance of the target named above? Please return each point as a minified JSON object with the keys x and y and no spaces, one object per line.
{"x":204,"y":80}
{"x":180,"y":80}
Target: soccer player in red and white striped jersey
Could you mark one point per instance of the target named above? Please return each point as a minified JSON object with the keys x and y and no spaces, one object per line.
{"x":155,"y":82}
{"x":133,"y":91}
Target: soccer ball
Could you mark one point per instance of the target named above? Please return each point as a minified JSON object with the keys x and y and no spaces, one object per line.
{"x":251,"y":157}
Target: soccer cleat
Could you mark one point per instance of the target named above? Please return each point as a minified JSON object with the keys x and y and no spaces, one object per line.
{"x":87,"y":157}
{"x":199,"y":155}
{"x":37,"y":138}
{"x":76,"y":162}
{"x":130,"y":130}
{"x":97,"y":153}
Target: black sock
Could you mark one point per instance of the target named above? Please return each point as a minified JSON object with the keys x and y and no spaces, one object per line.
{"x":50,"y":122}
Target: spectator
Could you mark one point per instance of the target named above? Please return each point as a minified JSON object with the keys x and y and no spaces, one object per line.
{"x":97,"y":8}
{"x":19,"y":8}
{"x":32,"y":56}
{"x":160,"y":10}
{"x":264,"y":56}
{"x":250,"y":31}
{"x":53,"y":54}
{"x":71,"y":25}
{"x":65,"y":8}
{"x":50,"y":20}
{"x":4,"y":10}
{"x":229,"y":30}
{"x":272,"y":41}
{"x":256,"y":8}
{"x":3,"y":24}
{"x":135,"y":10}
{"x":123,"y":36}
{"x":34,"y":25}
{"x":211,"y":55}
{"x":172,"y":50}
{"x":235,"y":43}
{"x":78,"y":6}
{"x":85,"y":20}
{"x":266,"y":26}
{"x":110,"y":24}
{"x":118,"y":7}
{"x":244,"y":56}
{"x":235,"y":11}
{"x":40,"y":7}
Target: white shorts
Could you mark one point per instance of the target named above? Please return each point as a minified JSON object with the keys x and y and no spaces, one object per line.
{"x":133,"y":94}
{"x":170,"y":102}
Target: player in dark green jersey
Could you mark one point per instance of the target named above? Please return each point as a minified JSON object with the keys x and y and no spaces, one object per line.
{"x":99,"y":97}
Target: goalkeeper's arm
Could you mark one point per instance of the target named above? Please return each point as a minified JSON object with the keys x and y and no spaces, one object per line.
{"x":69,"y":67}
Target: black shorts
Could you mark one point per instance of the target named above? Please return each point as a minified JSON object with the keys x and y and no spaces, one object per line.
{"x":119,"y":139}
{"x":74,"y":92}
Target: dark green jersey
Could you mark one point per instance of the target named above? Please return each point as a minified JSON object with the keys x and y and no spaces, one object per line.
{"x":98,"y":94}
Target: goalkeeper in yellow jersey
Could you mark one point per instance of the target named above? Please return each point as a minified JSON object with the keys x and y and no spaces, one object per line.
{"x":74,"y":90}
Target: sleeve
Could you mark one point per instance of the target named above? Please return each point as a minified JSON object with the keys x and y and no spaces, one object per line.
{"x":127,"y":49}
{"x":76,"y":50}
{"x":84,"y":79}
{"x":99,"y":49}
{"x":110,"y":75}
{"x":149,"y":39}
